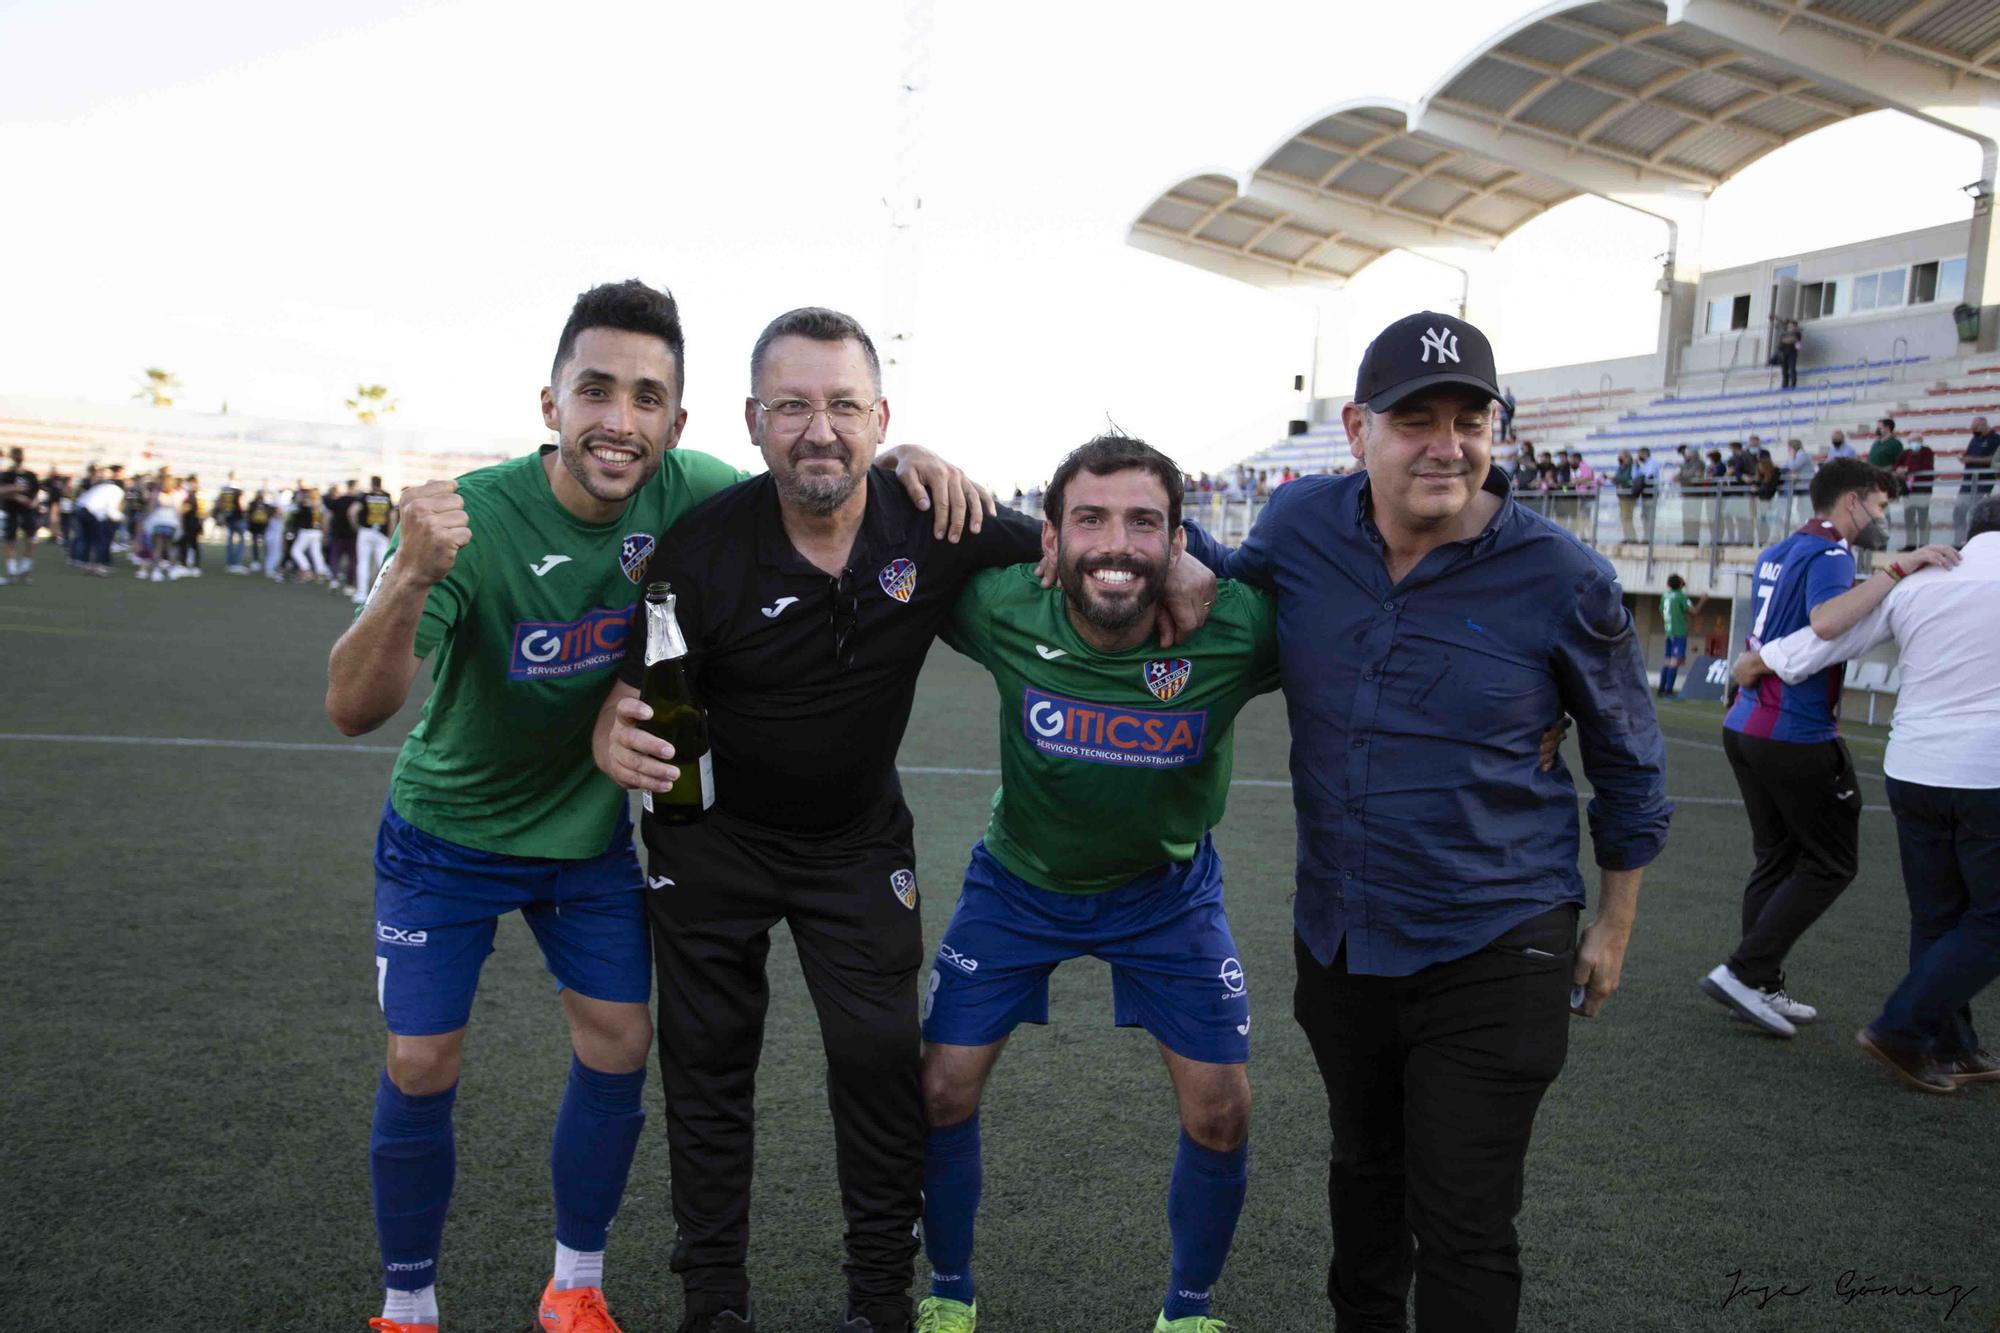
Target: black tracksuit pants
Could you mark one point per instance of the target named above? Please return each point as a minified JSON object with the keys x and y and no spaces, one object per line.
{"x":1432,"y":1084}
{"x":1804,"y":803}
{"x":861,"y":949}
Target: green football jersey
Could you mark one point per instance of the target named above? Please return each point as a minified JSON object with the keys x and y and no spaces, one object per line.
{"x":1111,"y":764}
{"x":1674,"y":610}
{"x":529,"y":628}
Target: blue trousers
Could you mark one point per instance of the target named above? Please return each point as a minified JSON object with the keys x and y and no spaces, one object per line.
{"x":1950,"y":843}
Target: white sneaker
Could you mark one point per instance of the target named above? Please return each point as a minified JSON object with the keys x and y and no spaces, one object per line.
{"x":1752,"y":1004}
{"x":1796,"y":1012}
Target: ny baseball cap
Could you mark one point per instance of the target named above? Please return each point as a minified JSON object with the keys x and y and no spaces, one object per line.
{"x":1420,"y":351}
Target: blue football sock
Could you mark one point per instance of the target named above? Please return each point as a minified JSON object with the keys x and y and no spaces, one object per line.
{"x":952,"y":1178}
{"x":1667,"y":675}
{"x":412,"y":1161}
{"x":1203,"y":1201}
{"x":597,"y":1131}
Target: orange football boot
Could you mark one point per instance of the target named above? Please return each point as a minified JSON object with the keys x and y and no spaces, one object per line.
{"x":578,"y":1310}
{"x":391,"y":1326}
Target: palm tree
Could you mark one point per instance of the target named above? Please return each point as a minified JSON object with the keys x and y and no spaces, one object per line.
{"x":371,"y":402}
{"x":158,"y":387}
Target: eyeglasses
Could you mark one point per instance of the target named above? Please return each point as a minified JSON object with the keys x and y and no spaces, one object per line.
{"x":843,"y":618}
{"x":844,"y":416}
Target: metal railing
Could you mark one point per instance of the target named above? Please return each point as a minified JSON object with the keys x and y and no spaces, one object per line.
{"x":1712,"y":523}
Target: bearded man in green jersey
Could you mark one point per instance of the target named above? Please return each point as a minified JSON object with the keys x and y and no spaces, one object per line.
{"x":1115,"y":763}
{"x":521,"y":579}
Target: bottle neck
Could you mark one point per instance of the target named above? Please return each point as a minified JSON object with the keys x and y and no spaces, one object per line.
{"x":663,"y":632}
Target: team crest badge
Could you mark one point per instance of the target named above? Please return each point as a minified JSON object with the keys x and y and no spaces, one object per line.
{"x":634,"y":554}
{"x":899,"y":579}
{"x":904,"y":884}
{"x":1167,"y":678}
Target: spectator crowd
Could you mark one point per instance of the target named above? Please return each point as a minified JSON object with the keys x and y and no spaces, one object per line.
{"x":156,"y":521}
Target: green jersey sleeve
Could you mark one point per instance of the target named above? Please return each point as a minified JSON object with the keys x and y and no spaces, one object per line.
{"x":1261,"y":618}
{"x":705,"y":474}
{"x":970,"y":629}
{"x":445,"y":606}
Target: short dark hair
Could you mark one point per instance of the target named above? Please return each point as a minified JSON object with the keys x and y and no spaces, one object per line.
{"x":1108,"y":454}
{"x":1985,"y":517}
{"x":631,"y":306}
{"x":1676,"y":582}
{"x":822,"y":326}
{"x":375,"y":483}
{"x":1890,"y":422}
{"x":1842,"y":476}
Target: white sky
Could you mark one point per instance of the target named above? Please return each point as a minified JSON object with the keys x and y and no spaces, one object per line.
{"x":277,"y":202}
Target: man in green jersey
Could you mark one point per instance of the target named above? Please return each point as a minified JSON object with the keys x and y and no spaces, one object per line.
{"x":1674,"y":609}
{"x":521,"y":577}
{"x":1115,"y":763}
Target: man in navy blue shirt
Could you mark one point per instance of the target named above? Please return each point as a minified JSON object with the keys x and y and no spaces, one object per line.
{"x":1977,"y":479}
{"x":1429,"y":627}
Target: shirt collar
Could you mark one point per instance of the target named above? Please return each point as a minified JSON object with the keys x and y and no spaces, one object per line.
{"x":1496,"y":483}
{"x":878,"y":529}
{"x":1819,"y":527}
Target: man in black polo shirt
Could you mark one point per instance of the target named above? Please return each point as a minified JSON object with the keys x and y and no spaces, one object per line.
{"x":809,"y":597}
{"x":19,"y":517}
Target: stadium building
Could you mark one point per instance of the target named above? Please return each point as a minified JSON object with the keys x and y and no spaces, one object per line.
{"x":1653,"y":106}
{"x":63,"y":437}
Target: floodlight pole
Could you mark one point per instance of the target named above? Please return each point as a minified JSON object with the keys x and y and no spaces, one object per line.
{"x":904,"y":202}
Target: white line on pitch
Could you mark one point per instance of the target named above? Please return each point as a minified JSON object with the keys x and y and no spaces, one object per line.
{"x":329,"y":747}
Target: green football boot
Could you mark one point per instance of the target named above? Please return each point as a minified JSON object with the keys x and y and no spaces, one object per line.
{"x":1194,"y":1323}
{"x":936,"y":1314}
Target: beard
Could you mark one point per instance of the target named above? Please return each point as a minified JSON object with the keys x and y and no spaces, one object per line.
{"x":817,"y":493}
{"x":575,"y":455}
{"x":1109,"y":614}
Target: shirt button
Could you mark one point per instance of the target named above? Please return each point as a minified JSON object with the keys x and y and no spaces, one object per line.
{"x":1358,"y":742}
{"x":1388,"y":606}
{"x":1347,"y":874}
{"x":1367,"y":675}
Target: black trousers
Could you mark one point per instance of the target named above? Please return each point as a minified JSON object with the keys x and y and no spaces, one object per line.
{"x":1804,"y":803}
{"x":861,"y":948}
{"x":1950,"y":843}
{"x":1432,"y":1084}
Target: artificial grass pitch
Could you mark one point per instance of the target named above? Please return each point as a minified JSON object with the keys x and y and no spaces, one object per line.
{"x":192,"y":1046}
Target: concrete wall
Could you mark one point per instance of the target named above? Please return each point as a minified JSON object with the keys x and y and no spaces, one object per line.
{"x":1844,"y":336}
{"x":1626,"y":372}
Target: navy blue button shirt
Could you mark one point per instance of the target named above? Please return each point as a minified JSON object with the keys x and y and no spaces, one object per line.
{"x":1417,"y":708}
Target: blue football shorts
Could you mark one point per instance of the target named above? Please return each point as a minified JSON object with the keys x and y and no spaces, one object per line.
{"x":1677,"y":647}
{"x":437,"y":905}
{"x":1175,"y":970}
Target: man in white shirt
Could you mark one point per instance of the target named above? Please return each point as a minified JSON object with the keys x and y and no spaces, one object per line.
{"x":101,"y":507}
{"x":1944,"y":787}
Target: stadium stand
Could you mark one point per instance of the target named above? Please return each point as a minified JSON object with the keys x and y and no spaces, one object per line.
{"x":65,"y":437}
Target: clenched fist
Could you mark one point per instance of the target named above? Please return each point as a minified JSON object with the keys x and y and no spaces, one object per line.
{"x":433,"y":529}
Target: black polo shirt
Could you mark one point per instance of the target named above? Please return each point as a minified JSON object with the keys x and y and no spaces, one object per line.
{"x":803,"y":740}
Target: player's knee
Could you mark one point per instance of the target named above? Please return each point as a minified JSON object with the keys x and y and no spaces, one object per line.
{"x":614,"y":1039}
{"x":948,"y":1100}
{"x":1219,"y":1119}
{"x":425,"y":1066}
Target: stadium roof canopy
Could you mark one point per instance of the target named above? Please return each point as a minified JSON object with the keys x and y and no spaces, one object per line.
{"x":1650,"y":103}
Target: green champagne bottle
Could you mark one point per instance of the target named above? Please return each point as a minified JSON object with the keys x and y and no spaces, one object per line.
{"x":677,"y":718}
